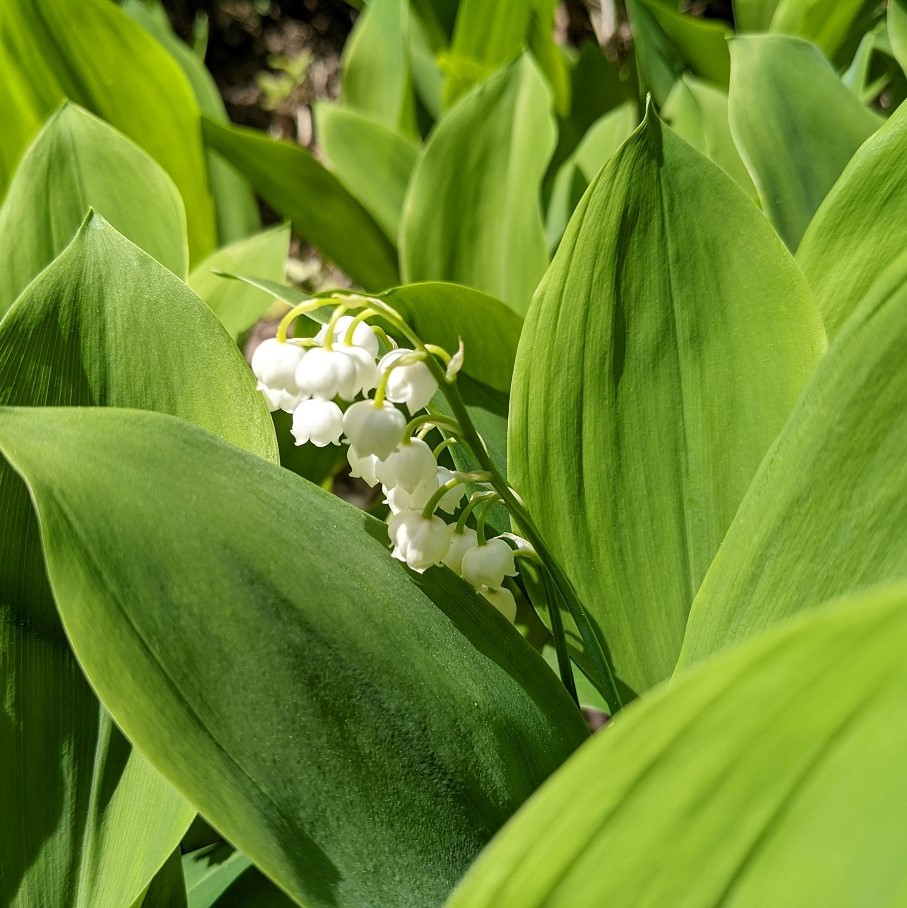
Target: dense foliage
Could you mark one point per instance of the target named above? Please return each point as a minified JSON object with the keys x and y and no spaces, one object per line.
{"x":620,"y":333}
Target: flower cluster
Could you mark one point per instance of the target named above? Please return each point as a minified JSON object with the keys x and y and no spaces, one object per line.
{"x":325,"y":383}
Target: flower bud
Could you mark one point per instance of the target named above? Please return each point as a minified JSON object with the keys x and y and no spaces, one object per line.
{"x":460,"y":544}
{"x":374,"y":430}
{"x":327,"y":374}
{"x":413,"y":384}
{"x":451,"y":500}
{"x":407,"y":466}
{"x":317,"y":421}
{"x":274,"y":364}
{"x":419,"y":541}
{"x":488,"y":564}
{"x":502,"y":600}
{"x":362,"y":466}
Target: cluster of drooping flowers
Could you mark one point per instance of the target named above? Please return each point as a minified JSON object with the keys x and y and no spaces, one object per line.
{"x":325,"y":382}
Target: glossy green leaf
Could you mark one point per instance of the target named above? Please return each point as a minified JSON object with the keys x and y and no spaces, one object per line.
{"x":346,"y":723}
{"x":698,"y":113}
{"x":372,"y":161}
{"x":239,"y":306}
{"x":604,"y":137}
{"x":218,"y":876}
{"x":824,"y":22}
{"x":79,"y":162}
{"x":668,"y":42}
{"x":20,"y":121}
{"x":827,"y":512}
{"x":772,"y":776}
{"x":103,"y":325}
{"x":472,"y":212}
{"x":860,"y":227}
{"x":660,"y":357}
{"x":235,"y":207}
{"x":897,"y":30}
{"x":376,"y":79}
{"x":322,"y":211}
{"x":795,"y":124}
{"x":754,"y":15}
{"x":105,"y":62}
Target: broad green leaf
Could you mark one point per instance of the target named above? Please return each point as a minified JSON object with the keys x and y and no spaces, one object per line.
{"x":548,"y":53}
{"x":486,"y":36}
{"x":105,"y":62}
{"x":376,"y":79}
{"x":604,"y":137}
{"x":754,"y":15}
{"x":20,"y":122}
{"x":235,"y":207}
{"x":795,"y":124}
{"x":322,"y":211}
{"x":346,"y":723}
{"x":827,"y":512}
{"x":824,"y":22}
{"x":75,"y":163}
{"x":239,"y":306}
{"x":698,"y":113}
{"x":168,"y":888}
{"x":668,"y":42}
{"x":103,"y":325}
{"x":860,"y":227}
{"x":372,"y":161}
{"x":660,"y":357}
{"x":771,"y":776}
{"x":897,"y":30}
{"x":221,"y":877}
{"x":472,"y":212}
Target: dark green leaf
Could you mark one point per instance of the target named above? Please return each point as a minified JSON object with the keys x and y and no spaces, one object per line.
{"x":347,"y":724}
{"x":294,"y":184}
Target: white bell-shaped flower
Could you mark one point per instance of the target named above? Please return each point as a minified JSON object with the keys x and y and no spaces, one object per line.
{"x":366,"y":367}
{"x":274,"y":364}
{"x":412,"y":384}
{"x":502,"y":600}
{"x":317,"y":421}
{"x":374,"y":430}
{"x":452,"y":498}
{"x":362,"y":466}
{"x":411,"y":463}
{"x":363,"y":335}
{"x":401,"y":499}
{"x":327,"y":374}
{"x":460,"y":544}
{"x":488,"y":564}
{"x":419,"y":541}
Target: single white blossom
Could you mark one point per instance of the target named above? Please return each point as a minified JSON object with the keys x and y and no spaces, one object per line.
{"x":363,"y":335}
{"x":419,"y":541}
{"x":460,"y":544}
{"x":374,"y":430}
{"x":412,"y":385}
{"x":274,"y":364}
{"x":450,"y":501}
{"x":317,"y":421}
{"x":327,"y":374}
{"x":362,"y":466}
{"x":399,"y":499}
{"x":407,"y":466}
{"x":488,"y":564}
{"x":366,"y":367}
{"x":502,"y":600}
